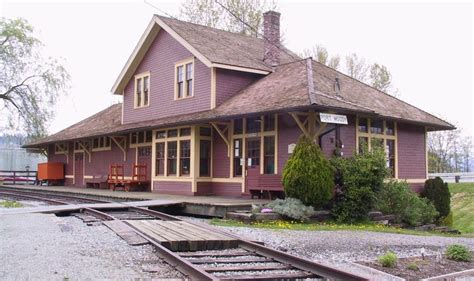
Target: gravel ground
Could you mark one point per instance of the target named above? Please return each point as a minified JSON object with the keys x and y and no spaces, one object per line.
{"x":46,"y":247}
{"x":340,"y":248}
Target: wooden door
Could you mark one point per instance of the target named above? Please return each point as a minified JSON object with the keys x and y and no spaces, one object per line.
{"x":144,"y":158}
{"x":252,"y":164}
{"x":79,"y":169}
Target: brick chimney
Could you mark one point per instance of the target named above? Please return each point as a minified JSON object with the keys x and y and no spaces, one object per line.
{"x":271,"y":32}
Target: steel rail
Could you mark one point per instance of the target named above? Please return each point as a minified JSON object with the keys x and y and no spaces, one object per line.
{"x":98,"y":214}
{"x":43,"y":193}
{"x":36,"y":198}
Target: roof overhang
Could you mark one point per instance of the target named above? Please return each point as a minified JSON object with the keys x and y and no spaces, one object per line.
{"x":152,"y":30}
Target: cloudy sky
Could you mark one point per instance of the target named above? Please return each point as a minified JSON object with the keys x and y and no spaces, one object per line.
{"x":427,"y":46}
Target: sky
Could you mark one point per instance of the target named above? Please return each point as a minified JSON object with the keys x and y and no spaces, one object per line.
{"x":427,"y":46}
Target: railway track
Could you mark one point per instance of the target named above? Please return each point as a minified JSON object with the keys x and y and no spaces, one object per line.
{"x":55,"y":199}
{"x":244,"y":260}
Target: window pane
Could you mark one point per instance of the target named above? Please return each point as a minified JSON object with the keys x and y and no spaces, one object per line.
{"x":95,"y":143}
{"x":189,"y":88}
{"x":185,"y":157}
{"x":148,"y":136}
{"x":363,"y":144}
{"x":107,"y":141}
{"x":376,"y":143}
{"x":161,"y":134}
{"x":172,"y":154}
{"x":172,"y":133}
{"x":180,"y":89}
{"x":185,"y":132}
{"x":390,"y":128}
{"x":205,"y":158}
{"x":269,"y":123}
{"x":133,"y":137}
{"x":180,"y":73}
{"x":390,"y":152}
{"x":363,"y":125}
{"x":376,"y":126}
{"x":238,"y":126}
{"x":205,"y":131}
{"x":139,"y":92}
{"x":269,"y":153}
{"x":253,"y":125}
{"x":237,"y":157}
{"x":160,"y":158}
{"x":146,"y":87}
{"x":189,"y":71}
{"x":141,"y":137}
{"x":253,"y":151}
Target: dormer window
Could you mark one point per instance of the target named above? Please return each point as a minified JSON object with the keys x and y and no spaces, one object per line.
{"x":142,"y":90}
{"x":184,"y":87}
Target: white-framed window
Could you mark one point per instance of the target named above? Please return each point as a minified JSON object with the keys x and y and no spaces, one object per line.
{"x":184,"y":79}
{"x":173,"y":152}
{"x":141,"y":138}
{"x":61,"y":148}
{"x":142,"y":90}
{"x":101,"y":143}
{"x":378,"y":133}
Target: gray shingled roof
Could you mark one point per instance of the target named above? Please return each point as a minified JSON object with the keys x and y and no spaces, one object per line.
{"x":291,"y":86}
{"x":220,"y":46}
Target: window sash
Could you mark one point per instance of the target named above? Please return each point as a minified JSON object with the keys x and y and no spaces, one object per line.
{"x":205,"y":158}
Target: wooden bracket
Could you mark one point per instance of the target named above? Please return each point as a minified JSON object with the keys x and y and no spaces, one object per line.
{"x":61,"y":149}
{"x":86,"y":150}
{"x":121,"y":142}
{"x":222,"y":132}
{"x":311,"y":127}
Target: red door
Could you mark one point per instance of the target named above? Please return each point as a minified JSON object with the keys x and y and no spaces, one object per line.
{"x":144,"y":158}
{"x":252,"y":164}
{"x":79,"y":169}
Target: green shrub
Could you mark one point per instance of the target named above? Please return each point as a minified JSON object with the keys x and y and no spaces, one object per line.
{"x":413,"y":266}
{"x":437,"y":192}
{"x":398,"y":199}
{"x":447,"y":220}
{"x":291,"y":208}
{"x":458,"y":253}
{"x":308,"y":176}
{"x":389,"y":259}
{"x":359,"y":177}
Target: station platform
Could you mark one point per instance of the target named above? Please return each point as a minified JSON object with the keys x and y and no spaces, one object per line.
{"x":213,"y":206}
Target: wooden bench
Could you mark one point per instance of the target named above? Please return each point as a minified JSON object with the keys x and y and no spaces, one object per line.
{"x":97,"y":181}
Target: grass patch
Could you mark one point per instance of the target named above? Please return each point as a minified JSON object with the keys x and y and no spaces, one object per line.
{"x":327,"y":226}
{"x":462,"y":206}
{"x":10,"y":204}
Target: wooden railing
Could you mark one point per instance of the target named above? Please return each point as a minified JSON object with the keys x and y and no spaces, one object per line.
{"x":18,"y":177}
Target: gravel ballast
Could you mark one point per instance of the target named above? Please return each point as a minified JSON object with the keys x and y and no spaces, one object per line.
{"x":46,"y":247}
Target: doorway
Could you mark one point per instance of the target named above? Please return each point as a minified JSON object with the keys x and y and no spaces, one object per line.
{"x":252,"y":164}
{"x":79,"y":169}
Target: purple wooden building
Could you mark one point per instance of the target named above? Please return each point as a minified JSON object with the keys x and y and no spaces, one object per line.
{"x":210,"y":112}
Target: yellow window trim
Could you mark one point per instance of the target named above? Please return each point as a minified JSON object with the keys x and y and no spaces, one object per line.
{"x":142,"y":144}
{"x":142,"y":96}
{"x":383,"y":136}
{"x":61,"y":148}
{"x":101,"y":148}
{"x":185,"y":81}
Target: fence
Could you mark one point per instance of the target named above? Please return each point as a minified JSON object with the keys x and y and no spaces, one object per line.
{"x":451,"y":177}
{"x":18,"y":177}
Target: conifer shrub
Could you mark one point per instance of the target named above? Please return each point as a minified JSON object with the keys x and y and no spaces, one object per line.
{"x":308,"y":175}
{"x":437,"y":192}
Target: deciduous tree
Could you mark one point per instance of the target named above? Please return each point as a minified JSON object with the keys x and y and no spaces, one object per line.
{"x":30,"y":83}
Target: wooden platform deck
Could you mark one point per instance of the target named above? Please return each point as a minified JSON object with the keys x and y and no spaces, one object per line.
{"x":183,"y":236}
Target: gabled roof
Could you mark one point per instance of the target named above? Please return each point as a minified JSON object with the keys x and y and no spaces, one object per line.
{"x":213,"y":47}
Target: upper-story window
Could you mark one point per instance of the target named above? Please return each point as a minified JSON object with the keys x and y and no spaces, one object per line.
{"x":101,"y":143}
{"x":142,"y":138}
{"x":142,"y":90}
{"x":184,"y":85}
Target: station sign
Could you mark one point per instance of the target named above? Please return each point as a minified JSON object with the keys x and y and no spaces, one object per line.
{"x":333,"y":118}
